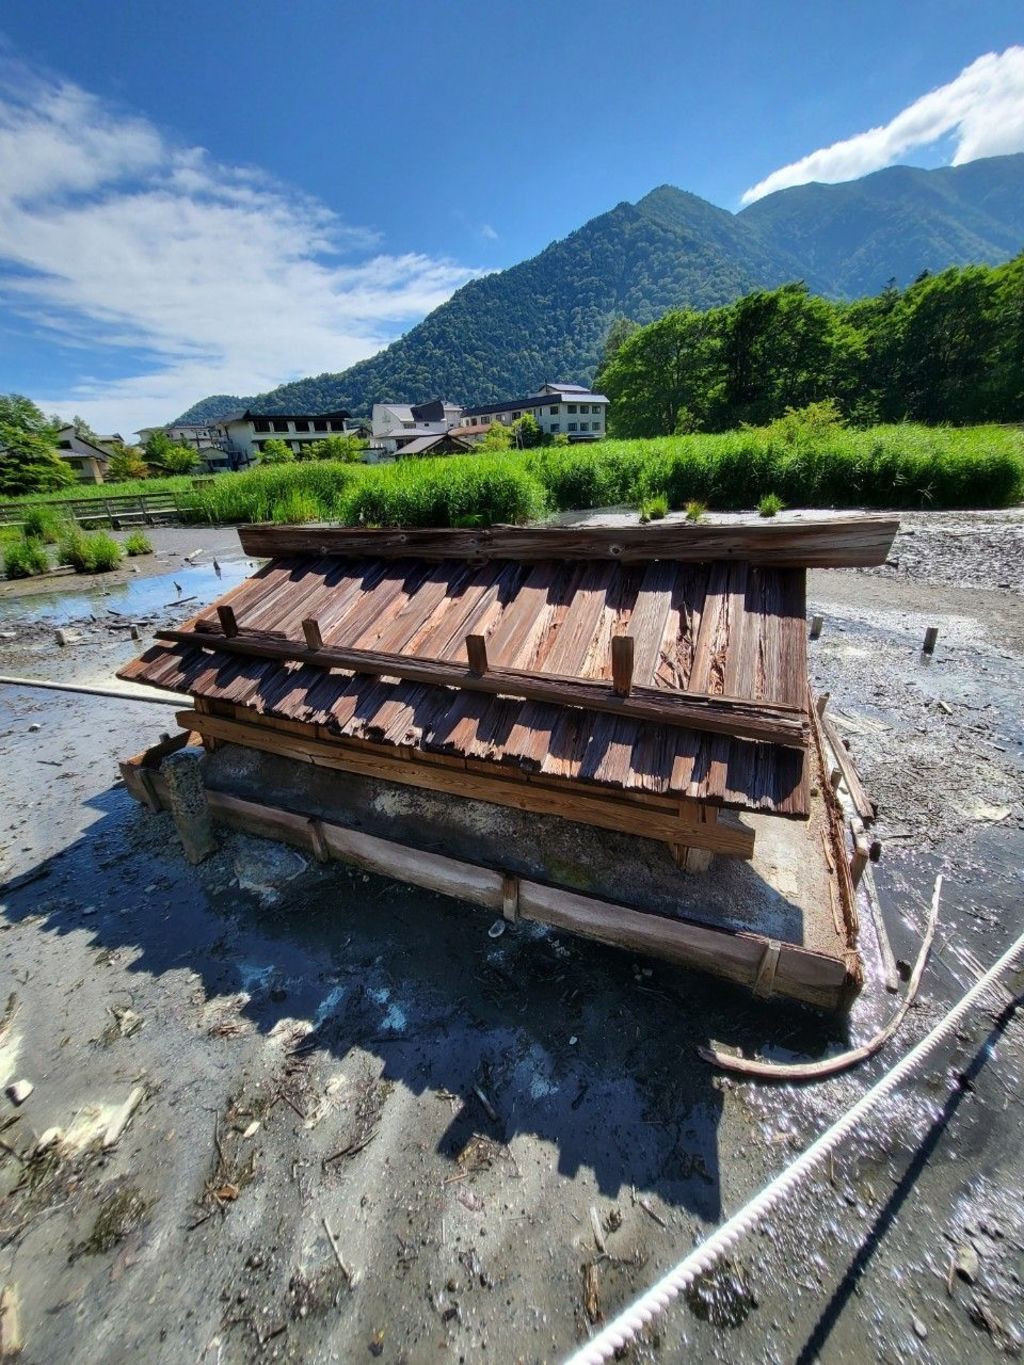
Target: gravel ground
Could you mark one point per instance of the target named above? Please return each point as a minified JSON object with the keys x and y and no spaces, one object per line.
{"x":311,"y":1045}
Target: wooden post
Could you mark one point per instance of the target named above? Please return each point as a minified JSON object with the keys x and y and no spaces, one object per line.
{"x":228,"y":624}
{"x":816,"y":624}
{"x":622,"y":664}
{"x":311,"y":630}
{"x":931,"y":635}
{"x":476,"y":653}
{"x":821,"y":703}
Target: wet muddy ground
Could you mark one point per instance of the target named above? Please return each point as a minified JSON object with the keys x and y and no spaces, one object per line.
{"x":367,"y":1130}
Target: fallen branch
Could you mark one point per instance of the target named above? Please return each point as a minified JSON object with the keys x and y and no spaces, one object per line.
{"x":831,"y":1066}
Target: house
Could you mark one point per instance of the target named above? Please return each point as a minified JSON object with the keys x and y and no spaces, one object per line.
{"x":394,"y":425}
{"x":558,"y":408}
{"x":88,"y":459}
{"x":246,"y":433}
{"x":198,"y":435}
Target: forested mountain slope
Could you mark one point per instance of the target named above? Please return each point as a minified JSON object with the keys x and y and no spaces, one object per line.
{"x":547,"y":317}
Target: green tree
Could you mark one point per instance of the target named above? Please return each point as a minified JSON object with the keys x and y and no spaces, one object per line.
{"x":525,"y":431}
{"x":497,"y":437}
{"x":83,"y":429}
{"x":346,"y":448}
{"x":126,"y":463}
{"x":29,"y":462}
{"x":158,"y":443}
{"x":179,"y":460}
{"x":671,"y":365}
{"x":275,"y":451}
{"x":618,"y":334}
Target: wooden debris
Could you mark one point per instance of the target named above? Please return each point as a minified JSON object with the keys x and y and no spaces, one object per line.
{"x":11,"y":1340}
{"x":488,"y":1107}
{"x":595,"y":1223}
{"x":931,"y":637}
{"x":350,"y":1275}
{"x":591,"y":1299}
{"x":123,"y":1116}
{"x":19,"y":1091}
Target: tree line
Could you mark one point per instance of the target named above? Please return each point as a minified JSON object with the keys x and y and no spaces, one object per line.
{"x":947,"y":349}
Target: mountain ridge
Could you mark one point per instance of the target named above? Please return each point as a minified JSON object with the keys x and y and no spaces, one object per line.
{"x":503,"y":333}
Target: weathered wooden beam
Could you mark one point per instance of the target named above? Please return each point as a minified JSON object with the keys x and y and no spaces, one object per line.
{"x":848,"y":771}
{"x":800,"y":973}
{"x":228,"y":624}
{"x":601,"y":810}
{"x":476,"y":653}
{"x":622,"y":664}
{"x":311,"y":630}
{"x":738,"y":717}
{"x":845,"y":542}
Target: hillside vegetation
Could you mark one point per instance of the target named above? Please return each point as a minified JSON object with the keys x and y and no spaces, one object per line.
{"x":547,"y":317}
{"x":950,"y":348}
{"x":802,"y":460}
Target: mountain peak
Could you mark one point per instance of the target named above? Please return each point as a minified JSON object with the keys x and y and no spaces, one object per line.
{"x":505,"y":333}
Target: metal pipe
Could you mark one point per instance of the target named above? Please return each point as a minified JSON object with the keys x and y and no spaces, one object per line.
{"x":122,"y":694}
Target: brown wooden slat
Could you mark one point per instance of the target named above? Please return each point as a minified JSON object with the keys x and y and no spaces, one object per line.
{"x":843,"y":542}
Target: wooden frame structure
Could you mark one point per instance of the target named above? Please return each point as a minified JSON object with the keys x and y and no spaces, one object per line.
{"x":643,"y":680}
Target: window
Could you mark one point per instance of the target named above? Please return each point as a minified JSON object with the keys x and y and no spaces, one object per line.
{"x":554,"y":426}
{"x":571,"y":426}
{"x":338,"y":425}
{"x":301,"y":424}
{"x":571,"y":408}
{"x":554,"y":413}
{"x":260,"y":424}
{"x":596,"y":409}
{"x":319,"y":424}
{"x":516,"y":415}
{"x":280,"y":424}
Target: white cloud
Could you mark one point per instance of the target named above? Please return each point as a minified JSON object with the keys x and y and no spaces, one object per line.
{"x":982,"y":109}
{"x":112,"y":236}
{"x":487,"y":231}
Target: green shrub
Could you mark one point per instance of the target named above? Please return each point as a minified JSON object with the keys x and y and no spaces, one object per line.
{"x":135,"y":543}
{"x":24,"y":558}
{"x":695,"y":510}
{"x":43,"y":523}
{"x":445,"y":491}
{"x":95,"y":553}
{"x":770,"y":505}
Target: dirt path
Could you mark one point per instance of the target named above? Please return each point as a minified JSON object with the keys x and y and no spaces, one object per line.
{"x":317,"y":1044}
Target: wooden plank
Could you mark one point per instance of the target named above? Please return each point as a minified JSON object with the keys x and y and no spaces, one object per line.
{"x":843,"y":542}
{"x":738,"y":716}
{"x":569,"y":804}
{"x":736,"y":956}
{"x":622,"y":664}
{"x":862,"y":802}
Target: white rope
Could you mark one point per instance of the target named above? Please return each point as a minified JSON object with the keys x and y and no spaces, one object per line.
{"x":629,"y":1322}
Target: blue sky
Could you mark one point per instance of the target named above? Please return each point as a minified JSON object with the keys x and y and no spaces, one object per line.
{"x":216,"y":197}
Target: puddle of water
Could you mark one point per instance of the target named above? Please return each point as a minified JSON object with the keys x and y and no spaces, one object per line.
{"x":131,"y":599}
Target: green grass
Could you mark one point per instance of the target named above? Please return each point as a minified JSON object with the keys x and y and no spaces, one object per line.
{"x":653,"y":508}
{"x":76,"y":492}
{"x":25,"y":557}
{"x":135,"y":543}
{"x":770,"y":505}
{"x":695,"y":510}
{"x":92,"y":552}
{"x":43,"y":523}
{"x":903,"y":466}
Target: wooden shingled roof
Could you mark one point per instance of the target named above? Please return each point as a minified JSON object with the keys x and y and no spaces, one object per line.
{"x":364,"y":634}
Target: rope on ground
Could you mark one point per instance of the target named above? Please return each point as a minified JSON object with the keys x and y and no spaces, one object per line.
{"x":633,"y":1319}
{"x":831,"y":1066}
{"x":87,"y":689}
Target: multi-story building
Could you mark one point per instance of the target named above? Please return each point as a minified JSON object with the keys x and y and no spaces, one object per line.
{"x":557,"y":408}
{"x":247,"y":432}
{"x":199,"y":435}
{"x":87,"y":459}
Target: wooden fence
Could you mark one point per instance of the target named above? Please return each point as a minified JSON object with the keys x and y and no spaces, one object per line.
{"x":116,"y":510}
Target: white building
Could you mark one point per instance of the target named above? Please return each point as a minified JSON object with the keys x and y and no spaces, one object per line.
{"x":246,"y":433}
{"x":557,"y":408}
{"x":87,"y":459}
{"x":395,"y":425}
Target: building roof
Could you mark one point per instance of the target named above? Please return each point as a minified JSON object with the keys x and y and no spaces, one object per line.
{"x":69,"y":434}
{"x":422,"y":444}
{"x":250,"y":416}
{"x":706,"y":629}
{"x":535,"y":400}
